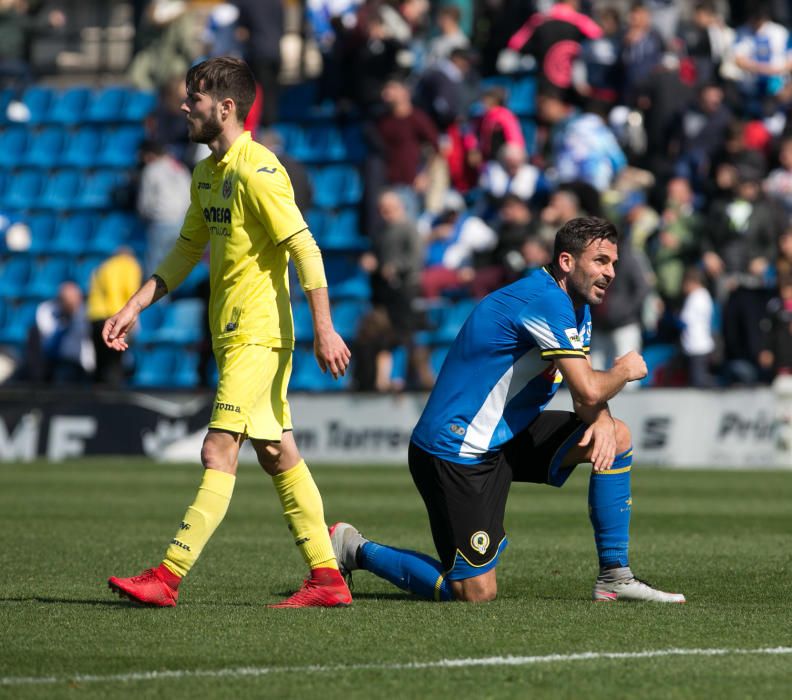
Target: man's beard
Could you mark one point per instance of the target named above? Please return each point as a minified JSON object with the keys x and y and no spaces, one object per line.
{"x":208,"y":132}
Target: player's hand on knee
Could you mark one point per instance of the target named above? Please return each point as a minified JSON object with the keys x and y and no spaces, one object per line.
{"x":600,"y":437}
{"x":634,"y":364}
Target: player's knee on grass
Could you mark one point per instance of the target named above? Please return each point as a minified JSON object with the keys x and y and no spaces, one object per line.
{"x":623,"y":436}
{"x":220,"y":451}
{"x":479,"y":589}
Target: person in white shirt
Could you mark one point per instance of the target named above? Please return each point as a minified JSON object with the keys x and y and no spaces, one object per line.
{"x":696,"y":316}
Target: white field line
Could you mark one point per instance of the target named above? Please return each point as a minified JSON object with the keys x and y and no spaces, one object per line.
{"x":254,"y":671}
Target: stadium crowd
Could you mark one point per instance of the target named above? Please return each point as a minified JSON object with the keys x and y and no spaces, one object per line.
{"x":481,"y":127}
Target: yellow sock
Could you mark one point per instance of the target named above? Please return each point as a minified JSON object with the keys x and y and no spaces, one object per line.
{"x":304,"y":513}
{"x":200,"y":521}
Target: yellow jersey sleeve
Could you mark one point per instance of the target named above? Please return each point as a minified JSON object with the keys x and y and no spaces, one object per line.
{"x":271,"y":199}
{"x":189,"y":247}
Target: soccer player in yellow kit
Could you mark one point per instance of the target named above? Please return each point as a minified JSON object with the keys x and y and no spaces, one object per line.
{"x":242,"y":206}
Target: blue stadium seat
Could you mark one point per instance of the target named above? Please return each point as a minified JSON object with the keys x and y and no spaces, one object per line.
{"x":325,"y":143}
{"x":82,"y":147}
{"x":354,"y":143}
{"x":14,"y":276}
{"x":38,"y":99}
{"x":347,"y":280}
{"x":186,"y":370}
{"x":83,"y":269}
{"x":197,"y":277}
{"x":294,"y":142}
{"x":342,"y":232}
{"x":296,"y":100}
{"x":139,"y":105}
{"x":306,"y":375}
{"x":45,"y":148}
{"x":114,"y":229}
{"x":69,"y":106}
{"x":336,"y":185}
{"x":657,"y":357}
{"x":23,"y":190}
{"x":98,"y":190}
{"x":73,"y":233}
{"x":451,"y":319}
{"x":317,"y":220}
{"x":42,"y":228}
{"x":522,"y":96}
{"x":437,"y":357}
{"x":107,"y":106}
{"x":6,"y":95}
{"x":19,"y":319}
{"x":61,"y":190}
{"x":120,"y":147}
{"x":155,"y":366}
{"x":303,"y":322}
{"x":13,"y":144}
{"x":346,"y":317}
{"x":149,"y":324}
{"x":47,"y":276}
{"x":182,"y":323}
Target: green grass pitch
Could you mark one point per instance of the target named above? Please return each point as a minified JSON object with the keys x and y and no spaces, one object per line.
{"x":721,"y":538}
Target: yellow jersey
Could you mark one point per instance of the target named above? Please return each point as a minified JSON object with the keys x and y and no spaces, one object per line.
{"x":113,"y":282}
{"x":243,"y":207}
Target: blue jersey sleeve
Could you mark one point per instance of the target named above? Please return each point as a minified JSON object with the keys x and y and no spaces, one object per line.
{"x":584,"y":328}
{"x":552,"y":324}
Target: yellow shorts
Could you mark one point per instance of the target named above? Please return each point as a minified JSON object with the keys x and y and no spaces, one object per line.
{"x":251,"y":391}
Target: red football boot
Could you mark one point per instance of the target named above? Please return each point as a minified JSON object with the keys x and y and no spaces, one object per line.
{"x":325,"y":589}
{"x":156,"y":587}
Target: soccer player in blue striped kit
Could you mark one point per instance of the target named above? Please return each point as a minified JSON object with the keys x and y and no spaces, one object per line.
{"x":485,"y":426}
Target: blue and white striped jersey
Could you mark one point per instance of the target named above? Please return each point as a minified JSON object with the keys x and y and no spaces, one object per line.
{"x":499,"y":372}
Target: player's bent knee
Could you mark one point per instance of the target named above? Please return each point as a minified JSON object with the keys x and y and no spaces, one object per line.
{"x":219,"y":454}
{"x":479,"y":589}
{"x":269,"y":455}
{"x":623,"y":436}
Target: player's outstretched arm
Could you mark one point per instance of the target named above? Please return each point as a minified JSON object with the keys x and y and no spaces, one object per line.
{"x":116,"y":328}
{"x":590,"y":387}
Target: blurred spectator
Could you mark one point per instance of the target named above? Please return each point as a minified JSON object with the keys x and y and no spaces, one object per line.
{"x":518,"y":249}
{"x":510,"y":174}
{"x":459,"y":148}
{"x":678,"y":241}
{"x":162,"y":202}
{"x":642,"y":49}
{"x":778,"y":184}
{"x":581,"y":147}
{"x":301,"y":183}
{"x":403,"y":137}
{"x":221,"y":32}
{"x":497,"y":125}
{"x":564,"y":205}
{"x":173,"y":41}
{"x":454,"y":238}
{"x":617,"y":320}
{"x":761,"y":52}
{"x":59,"y":347}
{"x":696,"y":318}
{"x":553,"y":39}
{"x":373,"y":351}
{"x":701,"y":40}
{"x":742,"y":232}
{"x":442,"y":91}
{"x":701,"y":132}
{"x":450,"y":34}
{"x":167,"y":124}
{"x":260,"y":27}
{"x":597,"y":71}
{"x":776,"y":353}
{"x":395,"y":263}
{"x":113,"y":282}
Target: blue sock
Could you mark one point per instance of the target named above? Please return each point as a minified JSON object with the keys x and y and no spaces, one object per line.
{"x":610,"y":503}
{"x":410,"y":571}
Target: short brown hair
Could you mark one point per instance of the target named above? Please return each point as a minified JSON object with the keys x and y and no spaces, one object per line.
{"x":575,"y":235}
{"x":225,"y":77}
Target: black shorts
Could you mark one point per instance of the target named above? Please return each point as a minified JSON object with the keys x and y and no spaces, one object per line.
{"x":466,"y":503}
